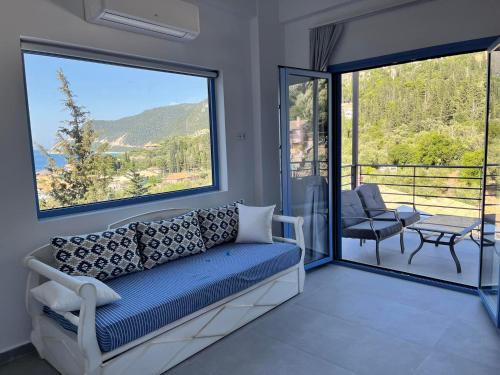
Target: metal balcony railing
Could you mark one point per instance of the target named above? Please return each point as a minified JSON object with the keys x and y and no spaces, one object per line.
{"x":451,"y":189}
{"x":454,"y":189}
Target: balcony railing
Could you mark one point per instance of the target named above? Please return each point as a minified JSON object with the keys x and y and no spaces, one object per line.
{"x":449,"y":189}
{"x":445,"y":189}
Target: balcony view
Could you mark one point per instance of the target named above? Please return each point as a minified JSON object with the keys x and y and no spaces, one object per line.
{"x":415,"y":132}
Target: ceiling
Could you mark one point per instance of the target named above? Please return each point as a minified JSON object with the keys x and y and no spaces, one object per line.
{"x":342,"y":10}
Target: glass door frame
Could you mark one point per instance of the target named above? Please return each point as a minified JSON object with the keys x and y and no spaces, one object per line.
{"x":284,"y":73}
{"x":494,"y":315}
{"x":475,"y":45}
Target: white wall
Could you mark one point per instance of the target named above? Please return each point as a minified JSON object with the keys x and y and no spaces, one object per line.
{"x":224,"y":44}
{"x":417,"y":25}
{"x":267,"y":54}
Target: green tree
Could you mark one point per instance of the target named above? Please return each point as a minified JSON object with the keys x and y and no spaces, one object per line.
{"x":401,"y":154}
{"x":137,"y":184}
{"x":433,"y":148}
{"x":86,"y":174}
{"x":473,"y":158}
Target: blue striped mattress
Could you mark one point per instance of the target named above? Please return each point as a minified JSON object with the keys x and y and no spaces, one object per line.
{"x":154,"y":298}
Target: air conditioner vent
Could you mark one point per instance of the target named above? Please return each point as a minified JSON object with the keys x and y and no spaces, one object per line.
{"x":174,"y":19}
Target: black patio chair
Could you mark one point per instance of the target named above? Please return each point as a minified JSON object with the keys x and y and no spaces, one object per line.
{"x":375,"y":207}
{"x":356,"y":223}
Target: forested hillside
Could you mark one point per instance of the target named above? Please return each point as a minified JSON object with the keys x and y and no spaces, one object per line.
{"x":157,"y":151}
{"x":426,"y":112}
{"x":152,"y":125}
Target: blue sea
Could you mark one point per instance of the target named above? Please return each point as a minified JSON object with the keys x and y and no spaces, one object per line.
{"x":42,"y":162}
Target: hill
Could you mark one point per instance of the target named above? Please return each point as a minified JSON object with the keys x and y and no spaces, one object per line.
{"x":153,"y":125}
{"x":423,"y":112}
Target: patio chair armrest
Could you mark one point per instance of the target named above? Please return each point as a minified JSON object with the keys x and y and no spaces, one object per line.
{"x":358,"y":217}
{"x":369,"y":219}
{"x":392,"y":210}
{"x":380,"y":209}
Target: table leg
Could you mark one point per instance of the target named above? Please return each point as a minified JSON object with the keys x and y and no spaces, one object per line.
{"x":486,"y":241}
{"x":418,"y":248}
{"x":474,"y":240}
{"x":438,"y":239}
{"x":455,"y":258}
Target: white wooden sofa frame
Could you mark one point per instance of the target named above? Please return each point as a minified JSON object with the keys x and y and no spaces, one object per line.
{"x":78,"y":353}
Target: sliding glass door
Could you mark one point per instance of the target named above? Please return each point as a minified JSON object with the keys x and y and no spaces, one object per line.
{"x":412,"y":139}
{"x":305,"y":118}
{"x":490,"y":250}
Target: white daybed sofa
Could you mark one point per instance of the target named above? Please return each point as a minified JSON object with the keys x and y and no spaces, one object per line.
{"x":158,"y":351}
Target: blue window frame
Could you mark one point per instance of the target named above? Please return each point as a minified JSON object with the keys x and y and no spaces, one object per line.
{"x":449,"y":49}
{"x":129,"y":131}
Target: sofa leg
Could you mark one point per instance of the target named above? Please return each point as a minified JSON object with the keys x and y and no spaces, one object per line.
{"x":402,"y":242}
{"x":377,"y":252}
{"x":360,"y":243}
{"x":36,"y":341}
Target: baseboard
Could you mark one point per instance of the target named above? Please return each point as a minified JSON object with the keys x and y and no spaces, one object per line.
{"x":16,"y":352}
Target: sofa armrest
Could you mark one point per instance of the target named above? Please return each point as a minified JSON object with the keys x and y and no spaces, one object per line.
{"x":297,"y":222}
{"x":85,"y":322}
{"x":287,"y":219}
{"x":54,"y":274}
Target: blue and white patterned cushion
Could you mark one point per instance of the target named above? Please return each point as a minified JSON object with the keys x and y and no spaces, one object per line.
{"x":103,"y":255}
{"x":219,"y":224}
{"x":155,"y":298}
{"x":165,"y":240}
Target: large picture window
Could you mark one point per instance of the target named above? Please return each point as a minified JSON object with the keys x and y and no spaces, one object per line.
{"x":105,"y":134}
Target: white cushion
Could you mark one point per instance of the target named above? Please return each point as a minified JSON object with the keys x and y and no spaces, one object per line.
{"x":255,"y":224}
{"x":60,"y":298}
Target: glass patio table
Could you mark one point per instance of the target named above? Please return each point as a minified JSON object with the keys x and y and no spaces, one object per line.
{"x":444,"y":230}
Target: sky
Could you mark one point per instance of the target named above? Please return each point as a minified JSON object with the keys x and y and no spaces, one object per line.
{"x":108,"y":92}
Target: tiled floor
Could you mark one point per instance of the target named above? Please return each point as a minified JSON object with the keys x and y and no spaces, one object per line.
{"x":350,"y":322}
{"x":431,"y":261}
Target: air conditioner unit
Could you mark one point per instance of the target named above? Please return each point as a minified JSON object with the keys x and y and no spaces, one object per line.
{"x":171,"y":19}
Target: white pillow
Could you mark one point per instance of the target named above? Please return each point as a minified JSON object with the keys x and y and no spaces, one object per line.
{"x":60,"y":298}
{"x":255,"y":224}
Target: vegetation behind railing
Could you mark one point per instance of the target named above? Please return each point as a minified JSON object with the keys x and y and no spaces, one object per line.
{"x":433,"y":189}
{"x":444,"y":189}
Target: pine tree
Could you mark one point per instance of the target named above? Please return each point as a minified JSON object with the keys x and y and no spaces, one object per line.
{"x":137,"y":184}
{"x":86,"y":175}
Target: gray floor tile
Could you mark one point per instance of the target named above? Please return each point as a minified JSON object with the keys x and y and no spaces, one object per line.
{"x":350,"y":345}
{"x":440,"y":363}
{"x":478,"y":341}
{"x":403,"y":321}
{"x":421,"y":296}
{"x":248,"y":353}
{"x":29,"y":364}
{"x":188,"y":367}
{"x":474,"y":312}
